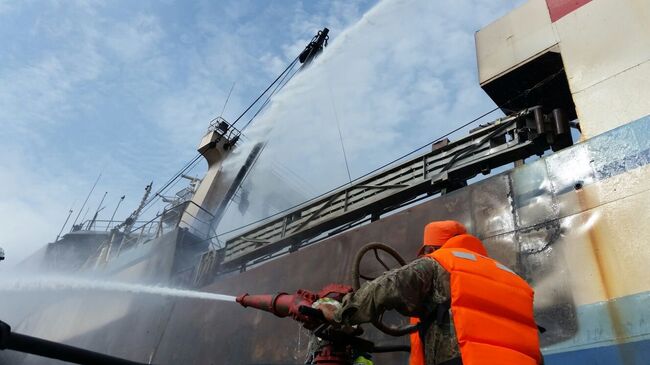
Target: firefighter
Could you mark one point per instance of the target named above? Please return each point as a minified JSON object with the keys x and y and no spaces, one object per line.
{"x":472,"y":309}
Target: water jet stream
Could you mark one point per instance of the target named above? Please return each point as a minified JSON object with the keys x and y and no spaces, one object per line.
{"x":57,"y":283}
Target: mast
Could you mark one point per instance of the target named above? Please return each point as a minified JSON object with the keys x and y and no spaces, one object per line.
{"x":63,"y":226}
{"x":99,"y":209}
{"x":115,"y":211}
{"x":130,"y":221}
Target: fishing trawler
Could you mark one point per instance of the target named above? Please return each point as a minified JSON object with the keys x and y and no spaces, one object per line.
{"x":572,"y":222}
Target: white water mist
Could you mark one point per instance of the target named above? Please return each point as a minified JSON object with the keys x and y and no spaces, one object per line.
{"x":58,"y":283}
{"x":391,"y":86}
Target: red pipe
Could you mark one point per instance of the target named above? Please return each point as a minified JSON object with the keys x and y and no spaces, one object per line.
{"x":281,"y":304}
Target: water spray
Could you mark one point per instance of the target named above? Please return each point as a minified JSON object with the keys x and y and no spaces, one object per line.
{"x":10,"y":340}
{"x":59,"y":283}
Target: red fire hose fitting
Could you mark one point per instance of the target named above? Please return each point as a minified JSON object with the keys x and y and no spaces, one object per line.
{"x":281,"y":304}
{"x":284,"y":305}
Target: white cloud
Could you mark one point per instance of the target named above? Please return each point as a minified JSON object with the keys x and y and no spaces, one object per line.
{"x":136,"y":38}
{"x":39,"y":93}
{"x":5,"y":6}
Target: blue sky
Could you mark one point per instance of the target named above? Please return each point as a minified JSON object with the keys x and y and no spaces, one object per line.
{"x":127,"y":88}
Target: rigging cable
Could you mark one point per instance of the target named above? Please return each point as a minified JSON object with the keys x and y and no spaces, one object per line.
{"x":195,"y":159}
{"x":264,"y":92}
{"x":281,"y":84}
{"x":228,"y":98}
{"x":338,"y":125}
{"x":171,"y":183}
{"x":278,"y":87}
{"x":268,"y":98}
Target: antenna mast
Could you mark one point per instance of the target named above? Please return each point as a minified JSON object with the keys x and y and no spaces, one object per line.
{"x":86,"y":201}
{"x":115,"y":211}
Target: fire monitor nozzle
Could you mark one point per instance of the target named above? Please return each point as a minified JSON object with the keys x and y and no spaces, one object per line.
{"x":285,"y":305}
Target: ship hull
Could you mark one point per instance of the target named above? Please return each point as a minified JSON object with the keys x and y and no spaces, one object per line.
{"x":573,"y":224}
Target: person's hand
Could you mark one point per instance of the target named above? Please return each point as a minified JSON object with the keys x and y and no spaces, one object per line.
{"x":328,"y":307}
{"x":329,"y":311}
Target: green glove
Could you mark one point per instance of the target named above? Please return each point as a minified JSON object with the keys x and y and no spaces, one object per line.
{"x":362,"y":361}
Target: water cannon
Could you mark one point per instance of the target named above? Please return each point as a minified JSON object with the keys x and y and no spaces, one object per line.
{"x":297,"y":306}
{"x":315,"y":47}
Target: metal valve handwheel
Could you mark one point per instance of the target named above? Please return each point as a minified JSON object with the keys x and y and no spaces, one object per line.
{"x":357,"y":275}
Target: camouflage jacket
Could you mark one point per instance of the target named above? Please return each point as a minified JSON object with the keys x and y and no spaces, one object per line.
{"x":413,"y":290}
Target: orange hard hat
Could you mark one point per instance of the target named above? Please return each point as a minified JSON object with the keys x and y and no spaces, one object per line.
{"x":437,"y":233}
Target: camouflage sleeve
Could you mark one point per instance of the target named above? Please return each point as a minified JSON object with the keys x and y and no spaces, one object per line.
{"x":405,"y":289}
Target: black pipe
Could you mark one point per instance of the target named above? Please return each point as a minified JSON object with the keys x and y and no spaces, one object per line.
{"x":539,"y":119}
{"x":561,"y":122}
{"x":314,"y":47}
{"x":54,"y":350}
{"x":234,"y":186}
{"x":391,"y":348}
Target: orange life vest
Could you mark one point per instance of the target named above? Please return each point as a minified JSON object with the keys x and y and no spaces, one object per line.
{"x":492,"y":307}
{"x":417,"y":349}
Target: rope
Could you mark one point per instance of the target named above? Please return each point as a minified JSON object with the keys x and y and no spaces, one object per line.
{"x":338,"y":126}
{"x":264,"y":92}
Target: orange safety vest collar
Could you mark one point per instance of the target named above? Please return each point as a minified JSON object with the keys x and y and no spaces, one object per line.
{"x":492,"y":309}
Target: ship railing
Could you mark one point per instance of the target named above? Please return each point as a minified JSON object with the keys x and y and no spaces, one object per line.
{"x":225,"y":129}
{"x":99,"y":225}
{"x":144,"y":231}
{"x":142,"y":234}
{"x":201,"y":226}
{"x":168,"y":220}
